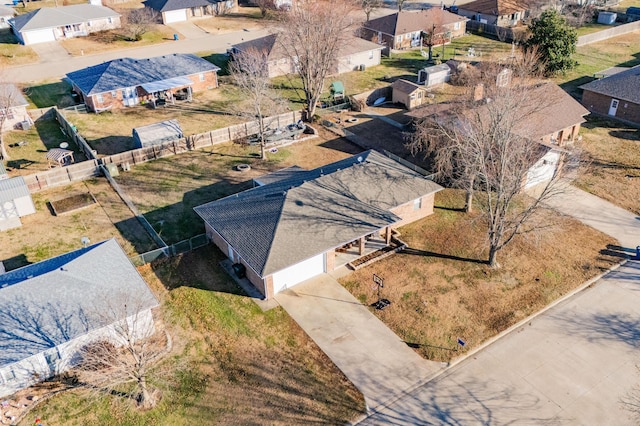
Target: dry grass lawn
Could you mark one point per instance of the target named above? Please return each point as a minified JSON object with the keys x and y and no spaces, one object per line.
{"x":441,"y":292}
{"x":231,"y":363}
{"x":44,"y":235}
{"x":612,"y":162}
{"x":13,"y":53}
{"x":114,"y":40}
{"x":246,"y":18}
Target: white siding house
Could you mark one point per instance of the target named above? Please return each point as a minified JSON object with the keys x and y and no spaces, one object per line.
{"x":52,"y":308}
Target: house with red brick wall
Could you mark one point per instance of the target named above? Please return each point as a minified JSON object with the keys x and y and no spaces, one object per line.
{"x":616,"y":96}
{"x":404,"y":30}
{"x":127,"y":82}
{"x":301,"y":223}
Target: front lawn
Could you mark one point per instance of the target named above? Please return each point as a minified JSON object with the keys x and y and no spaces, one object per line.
{"x":13,"y":53}
{"x":232,"y":363}
{"x":442,"y":290}
{"x":612,"y":162}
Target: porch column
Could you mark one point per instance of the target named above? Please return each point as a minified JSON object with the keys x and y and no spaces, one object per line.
{"x":387,"y":236}
{"x":361,"y":246}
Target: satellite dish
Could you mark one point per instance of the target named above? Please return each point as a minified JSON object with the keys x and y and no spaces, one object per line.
{"x":360,"y":159}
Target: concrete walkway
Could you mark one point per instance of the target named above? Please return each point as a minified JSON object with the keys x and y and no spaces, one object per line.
{"x":600,"y":214}
{"x":574,"y":364}
{"x":58,"y":68}
{"x":376,"y":361}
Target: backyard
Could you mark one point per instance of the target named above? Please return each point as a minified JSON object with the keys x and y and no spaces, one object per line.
{"x":442,"y":290}
{"x":231,"y":362}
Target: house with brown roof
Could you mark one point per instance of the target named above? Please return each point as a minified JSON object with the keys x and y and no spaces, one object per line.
{"x":553,"y":125}
{"x":303,"y":223}
{"x":616,"y":96}
{"x":403,"y":30}
{"x":355,"y":54}
{"x":503,"y":13}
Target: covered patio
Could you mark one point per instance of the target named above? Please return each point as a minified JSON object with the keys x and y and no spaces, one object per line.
{"x":368,"y":249}
{"x":169,"y":90}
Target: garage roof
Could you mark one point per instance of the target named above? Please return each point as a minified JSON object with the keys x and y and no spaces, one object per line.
{"x":169,"y":5}
{"x":51,"y":17}
{"x":283,"y":223}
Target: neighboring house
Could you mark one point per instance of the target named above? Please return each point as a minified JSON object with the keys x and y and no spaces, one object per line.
{"x":128,"y":82}
{"x":503,"y":13}
{"x":409,"y":94}
{"x":183,"y":10}
{"x":13,"y":106}
{"x":293,"y":229}
{"x":354,"y":54}
{"x":403,"y":30}
{"x":616,"y":96}
{"x":15,"y":200}
{"x":6,"y":13}
{"x":51,"y":309}
{"x":157,"y":133}
{"x":553,"y":126}
{"x":57,"y":23}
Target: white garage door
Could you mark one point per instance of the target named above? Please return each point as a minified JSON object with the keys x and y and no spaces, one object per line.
{"x":295,"y":274}
{"x":175,"y":16}
{"x":39,"y":36}
{"x":543,"y":170}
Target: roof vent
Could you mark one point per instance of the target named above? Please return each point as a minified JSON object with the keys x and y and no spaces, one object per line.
{"x":360,"y":159}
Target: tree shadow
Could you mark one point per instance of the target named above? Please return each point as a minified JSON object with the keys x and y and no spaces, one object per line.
{"x":417,"y":252}
{"x":627,"y":134}
{"x":16,"y":262}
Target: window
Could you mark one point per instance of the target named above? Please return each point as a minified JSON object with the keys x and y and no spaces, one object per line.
{"x":99,"y":98}
{"x":400,"y":39}
{"x":114,"y":94}
{"x":110,"y":20}
{"x":6,"y":112}
{"x":456,"y":26}
{"x":8,"y":375}
{"x":88,"y":23}
{"x":412,"y":96}
{"x":420,"y":94}
{"x":417,"y":204}
{"x":371,"y":54}
{"x":201,"y":76}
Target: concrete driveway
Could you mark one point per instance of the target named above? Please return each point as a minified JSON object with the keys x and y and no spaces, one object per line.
{"x":51,"y":52}
{"x":599,"y":214}
{"x":188,"y":29}
{"x":376,"y":361}
{"x":572,"y":365}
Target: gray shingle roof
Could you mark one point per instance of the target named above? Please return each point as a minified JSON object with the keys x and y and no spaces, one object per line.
{"x":56,"y":300}
{"x":51,"y":17}
{"x":495,"y":7}
{"x":624,"y":85}
{"x":410,"y":21}
{"x":12,"y":188}
{"x":130,"y":72}
{"x":280,"y":224}
{"x":169,"y":5}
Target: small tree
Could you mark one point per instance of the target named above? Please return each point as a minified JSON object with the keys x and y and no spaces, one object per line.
{"x":554,"y":40}
{"x":249,"y":72}
{"x":138,"y":22}
{"x":265,"y":6}
{"x":400,"y":4}
{"x":127,"y":356}
{"x":312,"y":36}
{"x":481,"y":144}
{"x":369,"y":6}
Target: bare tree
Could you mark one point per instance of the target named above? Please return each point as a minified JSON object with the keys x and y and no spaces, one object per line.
{"x":312,"y":36}
{"x":8,"y":97}
{"x":265,"y":6}
{"x":126,"y":355}
{"x":138,"y":22}
{"x":369,"y":6}
{"x":250,"y":73}
{"x":221,"y":7}
{"x":400,"y":4}
{"x":484,"y":143}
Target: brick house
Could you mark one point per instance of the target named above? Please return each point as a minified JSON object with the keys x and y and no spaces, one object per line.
{"x":302,"y":223}
{"x":128,"y":82}
{"x":616,"y":96}
{"x":353,"y":54}
{"x":403,"y":30}
{"x":503,"y":13}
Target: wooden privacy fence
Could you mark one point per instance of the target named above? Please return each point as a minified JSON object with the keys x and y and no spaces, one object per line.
{"x":91,"y":168}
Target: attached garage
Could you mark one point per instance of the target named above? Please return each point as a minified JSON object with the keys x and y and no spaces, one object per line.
{"x":543,"y":170}
{"x":38,"y":36}
{"x":174,"y":16}
{"x":298,"y":273}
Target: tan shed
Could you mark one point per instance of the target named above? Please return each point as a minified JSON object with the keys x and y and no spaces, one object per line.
{"x":409,"y":94}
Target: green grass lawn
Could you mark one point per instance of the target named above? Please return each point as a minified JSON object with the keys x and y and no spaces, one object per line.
{"x":47,"y":94}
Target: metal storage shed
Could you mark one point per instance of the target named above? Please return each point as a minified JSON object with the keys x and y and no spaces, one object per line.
{"x":433,"y":75}
{"x":15,"y":202}
{"x":157,"y":133}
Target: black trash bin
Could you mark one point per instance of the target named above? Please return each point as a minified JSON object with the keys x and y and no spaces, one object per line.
{"x":239,"y":270}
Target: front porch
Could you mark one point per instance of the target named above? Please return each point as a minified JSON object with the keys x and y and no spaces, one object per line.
{"x":367,"y":250}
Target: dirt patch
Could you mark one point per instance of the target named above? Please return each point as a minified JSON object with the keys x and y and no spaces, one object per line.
{"x":441,"y":288}
{"x":69,"y":204}
{"x":612,"y":162}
